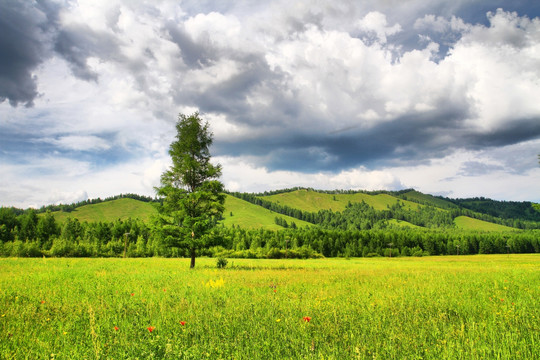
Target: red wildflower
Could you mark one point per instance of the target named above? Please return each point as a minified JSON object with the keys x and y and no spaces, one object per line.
{"x":151,"y":328}
{"x":116,"y":328}
{"x":275,"y":290}
{"x":502,"y":299}
{"x":132,"y":294}
{"x":182,"y":323}
{"x":307,"y":318}
{"x":43,"y":301}
{"x":164,"y":290}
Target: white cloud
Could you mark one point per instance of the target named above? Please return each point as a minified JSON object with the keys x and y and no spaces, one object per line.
{"x":60,"y":180}
{"x":376,"y":22}
{"x":441,"y":24}
{"x":80,"y":143}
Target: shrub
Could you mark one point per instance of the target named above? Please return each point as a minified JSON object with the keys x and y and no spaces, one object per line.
{"x":221,"y":262}
{"x":373,"y":255}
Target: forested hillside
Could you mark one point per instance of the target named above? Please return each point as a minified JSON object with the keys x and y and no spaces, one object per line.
{"x":287,"y":223}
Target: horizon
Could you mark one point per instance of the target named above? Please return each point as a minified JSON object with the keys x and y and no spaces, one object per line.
{"x":263,"y":193}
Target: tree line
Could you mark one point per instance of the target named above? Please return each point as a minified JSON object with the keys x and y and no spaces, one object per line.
{"x":29,"y":235}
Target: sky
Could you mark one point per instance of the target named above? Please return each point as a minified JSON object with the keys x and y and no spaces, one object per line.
{"x":437,"y":95}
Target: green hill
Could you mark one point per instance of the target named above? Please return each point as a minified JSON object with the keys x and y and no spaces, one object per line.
{"x":249,"y":216}
{"x":467,"y":223}
{"x":313,"y":201}
{"x":109,"y":211}
{"x":427,"y":199}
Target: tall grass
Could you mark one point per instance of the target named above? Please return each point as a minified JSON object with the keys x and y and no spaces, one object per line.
{"x":472,"y":307}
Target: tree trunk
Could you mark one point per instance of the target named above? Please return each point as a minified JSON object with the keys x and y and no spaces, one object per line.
{"x":192,"y":265}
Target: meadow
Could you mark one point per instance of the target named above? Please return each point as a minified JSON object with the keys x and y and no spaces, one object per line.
{"x":459,"y":307}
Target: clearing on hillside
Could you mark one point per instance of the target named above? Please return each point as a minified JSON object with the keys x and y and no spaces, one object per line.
{"x":468,"y":223}
{"x":250,"y":216}
{"x":109,"y":211}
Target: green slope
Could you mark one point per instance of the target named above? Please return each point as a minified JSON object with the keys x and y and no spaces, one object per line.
{"x":250,"y":216}
{"x":312,"y":201}
{"x":110,"y":211}
{"x":427,"y":199}
{"x":467,"y":223}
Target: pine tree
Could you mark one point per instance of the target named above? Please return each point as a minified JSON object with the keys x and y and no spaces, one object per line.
{"x":192,"y":194}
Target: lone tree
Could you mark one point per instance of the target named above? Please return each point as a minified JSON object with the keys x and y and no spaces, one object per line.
{"x":192,"y":194}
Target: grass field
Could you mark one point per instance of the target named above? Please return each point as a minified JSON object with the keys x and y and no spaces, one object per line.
{"x":313,"y":201}
{"x":249,"y":216}
{"x":459,"y":307}
{"x":468,"y":223}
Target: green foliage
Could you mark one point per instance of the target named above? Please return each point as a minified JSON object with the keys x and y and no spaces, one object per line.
{"x":192,"y":196}
{"x":8,"y":224}
{"x":221,"y":262}
{"x":47,"y":228}
{"x":501,"y":209}
{"x":256,"y":232}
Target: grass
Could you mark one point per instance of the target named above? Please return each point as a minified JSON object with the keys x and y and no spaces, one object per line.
{"x":110,"y":211}
{"x":459,"y":307}
{"x":312,"y":201}
{"x":468,"y":223}
{"x":403,"y":224}
{"x":250,"y":216}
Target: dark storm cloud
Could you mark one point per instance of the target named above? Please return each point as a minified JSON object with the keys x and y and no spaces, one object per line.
{"x":519,"y":130}
{"x":23,"y":42}
{"x":402,"y":141}
{"x":399,"y":141}
{"x":30,"y":34}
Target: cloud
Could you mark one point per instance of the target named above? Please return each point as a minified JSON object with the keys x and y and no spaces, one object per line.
{"x":23,"y":35}
{"x":64,"y":180}
{"x":240,"y":175}
{"x":81,"y":143}
{"x":395,"y":110}
{"x":475,"y":168}
{"x":324,"y":93}
{"x":375,"y":22}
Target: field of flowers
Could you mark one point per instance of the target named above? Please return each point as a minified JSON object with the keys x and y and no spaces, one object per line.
{"x":459,"y":307}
